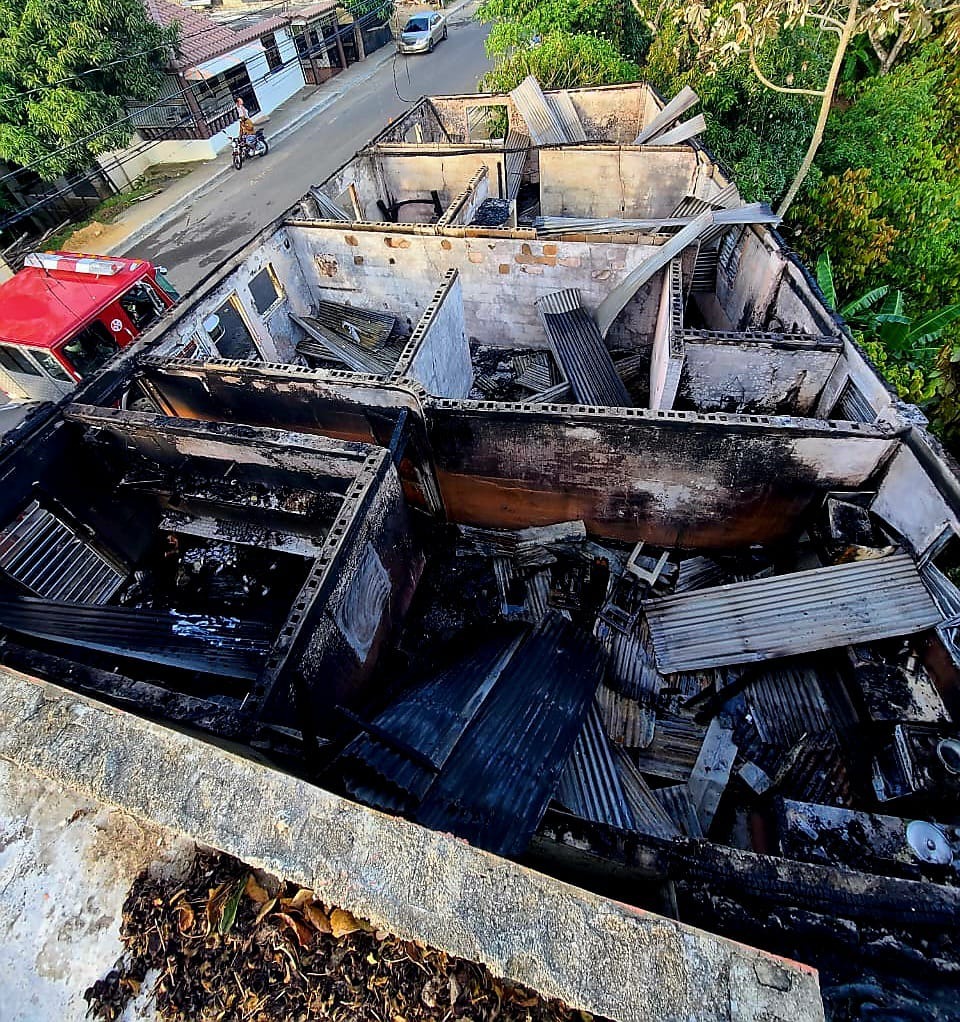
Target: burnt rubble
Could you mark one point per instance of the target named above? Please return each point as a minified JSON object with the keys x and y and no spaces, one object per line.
{"x":594,"y":541}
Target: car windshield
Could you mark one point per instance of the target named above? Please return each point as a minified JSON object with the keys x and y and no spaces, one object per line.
{"x":417,"y":25}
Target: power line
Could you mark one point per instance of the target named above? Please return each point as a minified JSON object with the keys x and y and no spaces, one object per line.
{"x":167,"y":99}
{"x":147,"y":145}
{"x":226,"y":23}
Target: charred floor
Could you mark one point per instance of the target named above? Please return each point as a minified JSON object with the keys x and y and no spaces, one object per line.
{"x":555,"y":511}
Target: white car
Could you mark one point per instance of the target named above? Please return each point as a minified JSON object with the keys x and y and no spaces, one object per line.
{"x":422,"y":32}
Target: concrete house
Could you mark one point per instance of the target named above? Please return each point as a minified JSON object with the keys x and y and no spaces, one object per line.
{"x":537,"y":515}
{"x":216,"y":64}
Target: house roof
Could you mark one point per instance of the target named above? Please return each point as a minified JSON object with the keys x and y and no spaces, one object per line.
{"x":201,"y":37}
{"x":299,"y":14}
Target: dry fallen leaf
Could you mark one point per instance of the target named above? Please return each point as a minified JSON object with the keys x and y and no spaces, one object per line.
{"x":317,"y":918}
{"x":255,"y":892}
{"x":343,"y":922}
{"x":299,"y":899}
{"x":265,"y":910}
{"x":301,"y":931}
{"x":185,"y":917}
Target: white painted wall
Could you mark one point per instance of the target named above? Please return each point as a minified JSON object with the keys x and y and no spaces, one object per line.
{"x":276,"y":86}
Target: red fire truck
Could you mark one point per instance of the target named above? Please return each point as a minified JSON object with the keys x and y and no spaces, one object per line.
{"x":64,"y":315}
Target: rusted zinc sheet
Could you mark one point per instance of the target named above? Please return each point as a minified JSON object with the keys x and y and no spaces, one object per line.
{"x":786,"y":615}
{"x":580,"y":351}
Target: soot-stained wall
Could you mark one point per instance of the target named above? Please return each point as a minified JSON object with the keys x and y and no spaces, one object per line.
{"x":274,"y":336}
{"x":760,"y":288}
{"x":397,"y":271}
{"x":364,"y":584}
{"x":415,"y":173}
{"x":345,"y":406}
{"x":438,"y":355}
{"x":731,"y":374}
{"x":672,"y":478}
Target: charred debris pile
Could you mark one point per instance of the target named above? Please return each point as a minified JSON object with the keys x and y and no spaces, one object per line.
{"x":769,"y":699}
{"x":756,"y":727}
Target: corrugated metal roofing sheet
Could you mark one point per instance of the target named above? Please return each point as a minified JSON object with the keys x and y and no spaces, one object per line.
{"x":648,"y":814}
{"x":626,"y":721}
{"x":590,"y":783}
{"x":674,"y":749}
{"x":579,"y":348}
{"x":786,"y":703}
{"x":790,"y":614}
{"x":431,"y":719}
{"x":542,"y":123}
{"x":497,"y":783}
{"x":675,"y":800}
{"x":566,"y":113}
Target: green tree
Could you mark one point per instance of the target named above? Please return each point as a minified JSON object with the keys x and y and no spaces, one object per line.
{"x":759,"y":134}
{"x":902,"y":345}
{"x":517,"y":22}
{"x":561,"y":61}
{"x":888,"y":204}
{"x":564,"y":43}
{"x":67,"y":70}
{"x":725,"y":32}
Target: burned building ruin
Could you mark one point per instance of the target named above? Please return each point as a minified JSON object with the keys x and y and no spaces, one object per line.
{"x":522,"y":484}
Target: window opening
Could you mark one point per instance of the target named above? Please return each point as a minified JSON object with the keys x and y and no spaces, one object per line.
{"x":272,"y":50}
{"x":16,"y":361}
{"x":90,"y":349}
{"x":237,"y":341}
{"x":265,"y":290}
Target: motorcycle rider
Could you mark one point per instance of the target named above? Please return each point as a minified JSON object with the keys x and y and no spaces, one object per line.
{"x":247,"y":131}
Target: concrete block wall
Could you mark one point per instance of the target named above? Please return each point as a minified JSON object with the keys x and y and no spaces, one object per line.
{"x":667,"y":357}
{"x":415,"y":176}
{"x":853,"y":368}
{"x":343,"y":405}
{"x":438,"y":355}
{"x":738,"y":374}
{"x":613,"y":113}
{"x":352,"y":601}
{"x":425,"y":115}
{"x":761,"y":288}
{"x":634,"y":181}
{"x":596,"y":954}
{"x":917,"y":494}
{"x":361,"y":172}
{"x":273,"y":333}
{"x":461,"y":211}
{"x":396,"y":270}
{"x":676,"y":479}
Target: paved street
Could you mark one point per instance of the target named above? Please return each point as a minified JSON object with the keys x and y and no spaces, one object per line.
{"x":215,"y":224}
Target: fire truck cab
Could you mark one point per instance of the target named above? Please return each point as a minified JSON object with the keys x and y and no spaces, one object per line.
{"x":65,"y":315}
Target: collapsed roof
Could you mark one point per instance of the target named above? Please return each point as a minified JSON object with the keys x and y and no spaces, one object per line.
{"x":550,"y":506}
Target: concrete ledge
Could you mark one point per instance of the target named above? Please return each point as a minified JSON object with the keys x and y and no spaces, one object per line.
{"x":595,"y":954}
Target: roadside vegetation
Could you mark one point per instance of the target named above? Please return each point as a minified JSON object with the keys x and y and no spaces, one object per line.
{"x":68,"y":68}
{"x":843,"y":115}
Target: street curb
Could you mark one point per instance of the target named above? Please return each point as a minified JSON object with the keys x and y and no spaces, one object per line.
{"x":173,"y":211}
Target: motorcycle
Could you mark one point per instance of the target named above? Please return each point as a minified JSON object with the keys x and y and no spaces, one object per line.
{"x":246,"y":146}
